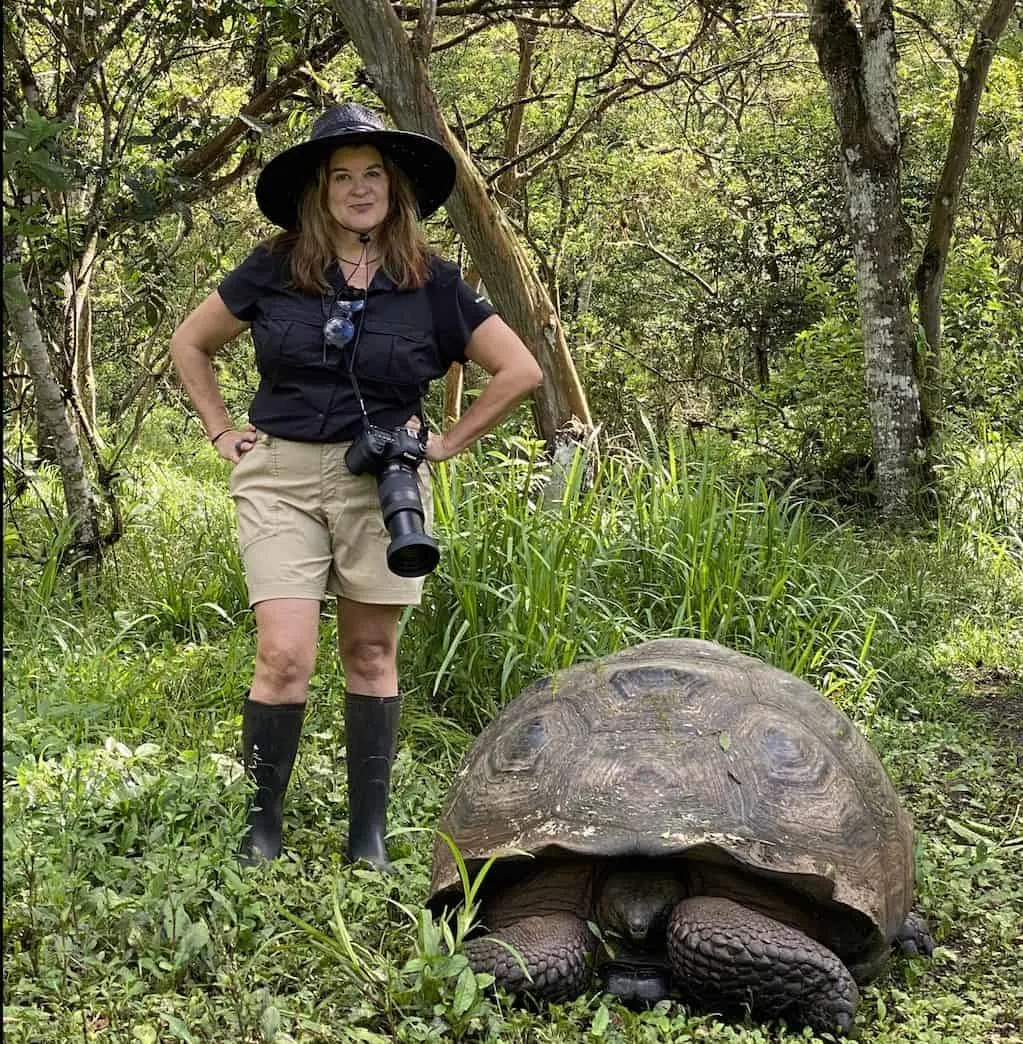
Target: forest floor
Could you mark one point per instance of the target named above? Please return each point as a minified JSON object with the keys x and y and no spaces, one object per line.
{"x":128,"y":920}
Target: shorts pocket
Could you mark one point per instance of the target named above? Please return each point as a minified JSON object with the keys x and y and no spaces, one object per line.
{"x":259,"y":457}
{"x":254,"y":487}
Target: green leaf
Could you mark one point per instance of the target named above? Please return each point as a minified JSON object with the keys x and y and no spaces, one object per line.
{"x":725,"y":741}
{"x":465,"y":991}
{"x":178,"y":1028}
{"x":269,"y":1023}
{"x":600,"y":1022}
{"x":175,"y":920}
{"x":196,"y":938}
{"x":39,"y":128}
{"x":46,"y":172}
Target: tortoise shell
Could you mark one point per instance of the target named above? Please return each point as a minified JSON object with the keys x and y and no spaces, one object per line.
{"x":683,"y":748}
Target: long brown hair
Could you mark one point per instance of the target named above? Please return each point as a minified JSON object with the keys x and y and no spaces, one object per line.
{"x":405,"y":254}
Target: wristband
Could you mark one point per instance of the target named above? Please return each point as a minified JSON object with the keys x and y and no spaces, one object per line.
{"x":213,"y":440}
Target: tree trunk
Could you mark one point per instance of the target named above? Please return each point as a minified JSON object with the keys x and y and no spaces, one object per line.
{"x":859,"y":69}
{"x":454,"y":383}
{"x":77,"y":284}
{"x":930,"y":275}
{"x":85,"y":371}
{"x":54,"y":418}
{"x":880,"y":251}
{"x":400,"y":78}
{"x":762,"y":349}
{"x":454,"y":379}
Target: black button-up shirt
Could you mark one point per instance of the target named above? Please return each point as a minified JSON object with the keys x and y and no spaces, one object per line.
{"x":404,"y":339}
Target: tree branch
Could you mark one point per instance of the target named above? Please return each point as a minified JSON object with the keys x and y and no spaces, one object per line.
{"x":677,"y":265}
{"x":26,"y":77}
{"x":71,"y":93}
{"x":938,"y":37}
{"x":217,"y":150}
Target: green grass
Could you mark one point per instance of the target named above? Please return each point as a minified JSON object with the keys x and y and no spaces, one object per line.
{"x":126,"y":918}
{"x":646,"y":549}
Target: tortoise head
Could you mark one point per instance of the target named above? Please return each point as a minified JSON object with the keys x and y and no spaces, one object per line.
{"x":633,"y":906}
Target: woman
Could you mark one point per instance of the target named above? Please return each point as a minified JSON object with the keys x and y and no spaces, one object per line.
{"x":351,"y":317}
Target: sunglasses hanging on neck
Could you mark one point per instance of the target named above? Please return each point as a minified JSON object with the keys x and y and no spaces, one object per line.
{"x":339,"y":328}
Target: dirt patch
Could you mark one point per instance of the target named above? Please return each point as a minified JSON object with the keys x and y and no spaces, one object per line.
{"x":997,"y":693}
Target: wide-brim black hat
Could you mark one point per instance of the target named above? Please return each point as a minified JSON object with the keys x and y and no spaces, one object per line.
{"x":424,"y":161}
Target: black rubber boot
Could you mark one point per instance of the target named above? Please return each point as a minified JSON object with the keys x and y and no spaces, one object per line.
{"x":371,"y":725}
{"x":270,"y":734}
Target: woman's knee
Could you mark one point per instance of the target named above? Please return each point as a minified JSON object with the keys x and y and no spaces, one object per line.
{"x":370,"y":657}
{"x":285,"y":661}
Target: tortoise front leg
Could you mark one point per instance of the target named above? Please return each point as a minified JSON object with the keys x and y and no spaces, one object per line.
{"x":727,"y":956}
{"x":556,"y":949}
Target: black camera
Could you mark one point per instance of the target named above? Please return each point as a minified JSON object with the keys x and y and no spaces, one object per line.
{"x":393,"y":455}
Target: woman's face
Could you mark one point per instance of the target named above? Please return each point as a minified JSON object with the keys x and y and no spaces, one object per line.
{"x":358,"y":193}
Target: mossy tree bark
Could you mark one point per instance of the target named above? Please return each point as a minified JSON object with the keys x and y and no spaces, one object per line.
{"x":858,"y":63}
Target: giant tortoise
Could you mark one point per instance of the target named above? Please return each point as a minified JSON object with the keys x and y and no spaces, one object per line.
{"x":687,"y":821}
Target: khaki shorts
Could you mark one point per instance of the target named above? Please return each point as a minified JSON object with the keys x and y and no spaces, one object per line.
{"x":308,"y":526}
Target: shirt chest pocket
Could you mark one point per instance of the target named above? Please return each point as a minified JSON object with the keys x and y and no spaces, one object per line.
{"x":396,"y":353}
{"x":288,"y":340}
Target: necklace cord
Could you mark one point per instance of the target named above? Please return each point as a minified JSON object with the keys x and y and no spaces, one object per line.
{"x":358,"y":337}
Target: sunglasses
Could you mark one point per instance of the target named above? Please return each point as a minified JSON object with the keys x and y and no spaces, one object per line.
{"x":339,"y":328}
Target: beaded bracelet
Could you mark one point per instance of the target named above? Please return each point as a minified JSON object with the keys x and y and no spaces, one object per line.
{"x":213,"y":440}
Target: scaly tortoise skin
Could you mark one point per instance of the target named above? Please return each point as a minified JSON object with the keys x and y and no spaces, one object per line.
{"x":734,"y":836}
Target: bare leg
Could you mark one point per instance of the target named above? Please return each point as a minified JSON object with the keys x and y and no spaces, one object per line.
{"x":287,"y":636}
{"x":368,"y":643}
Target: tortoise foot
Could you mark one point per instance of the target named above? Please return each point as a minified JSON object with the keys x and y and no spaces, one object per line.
{"x":914,"y":937}
{"x":727,"y":956}
{"x":552,"y":958}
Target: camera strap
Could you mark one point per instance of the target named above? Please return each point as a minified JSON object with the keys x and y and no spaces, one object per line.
{"x":355,"y":386}
{"x":424,"y":430}
{"x":355,"y":351}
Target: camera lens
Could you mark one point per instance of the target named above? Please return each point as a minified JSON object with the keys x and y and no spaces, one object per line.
{"x":414,"y":554}
{"x":412,"y":551}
